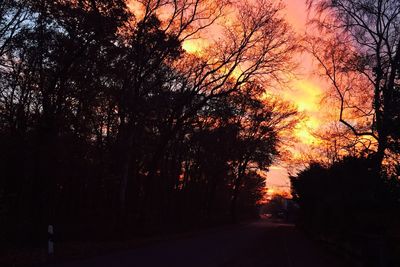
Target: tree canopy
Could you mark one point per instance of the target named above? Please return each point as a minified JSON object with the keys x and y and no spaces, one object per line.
{"x":107,"y":125}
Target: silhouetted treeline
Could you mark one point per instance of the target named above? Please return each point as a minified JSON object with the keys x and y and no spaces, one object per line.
{"x":349,"y":205}
{"x":107,"y":126}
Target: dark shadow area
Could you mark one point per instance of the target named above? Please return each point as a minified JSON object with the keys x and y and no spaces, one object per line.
{"x":350,"y":207}
{"x":260,"y":243}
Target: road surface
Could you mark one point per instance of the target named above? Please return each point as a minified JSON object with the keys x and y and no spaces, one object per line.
{"x":261,"y":243}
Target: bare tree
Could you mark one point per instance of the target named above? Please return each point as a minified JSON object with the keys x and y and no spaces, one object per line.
{"x":358,"y":49}
{"x":12,"y":16}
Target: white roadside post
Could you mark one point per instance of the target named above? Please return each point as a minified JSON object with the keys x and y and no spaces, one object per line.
{"x":50,"y":244}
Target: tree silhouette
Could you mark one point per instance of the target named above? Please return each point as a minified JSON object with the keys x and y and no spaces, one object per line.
{"x":109,"y":127}
{"x":360,"y":57}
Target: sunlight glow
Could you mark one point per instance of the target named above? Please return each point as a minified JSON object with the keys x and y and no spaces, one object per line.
{"x":195,"y":46}
{"x":308,"y":97}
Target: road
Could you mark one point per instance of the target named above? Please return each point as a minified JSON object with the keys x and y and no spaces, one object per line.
{"x":261,"y":243}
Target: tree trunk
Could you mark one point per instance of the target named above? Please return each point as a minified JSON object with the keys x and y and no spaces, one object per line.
{"x":238,"y":181}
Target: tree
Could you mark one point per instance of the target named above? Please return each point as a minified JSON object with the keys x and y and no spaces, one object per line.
{"x":107,"y":122}
{"x":260,"y":123}
{"x":360,"y":54}
{"x":48,"y":94}
{"x":336,"y":141}
{"x":13,"y":16}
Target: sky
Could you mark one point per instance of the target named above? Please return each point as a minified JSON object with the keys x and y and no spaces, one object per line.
{"x":306,"y":91}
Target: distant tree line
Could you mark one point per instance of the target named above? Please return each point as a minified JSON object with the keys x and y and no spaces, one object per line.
{"x":107,"y":126}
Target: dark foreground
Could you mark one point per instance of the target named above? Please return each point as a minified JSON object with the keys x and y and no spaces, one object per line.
{"x":261,"y":243}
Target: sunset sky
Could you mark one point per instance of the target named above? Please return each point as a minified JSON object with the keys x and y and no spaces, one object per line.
{"x":305,"y":91}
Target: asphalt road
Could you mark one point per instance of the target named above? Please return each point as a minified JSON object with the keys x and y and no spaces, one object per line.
{"x":260,"y":243}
